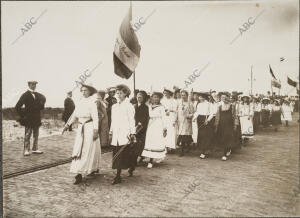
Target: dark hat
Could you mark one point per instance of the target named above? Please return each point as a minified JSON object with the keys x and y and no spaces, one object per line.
{"x":124,"y":88}
{"x":70,"y":92}
{"x":32,"y":82}
{"x":90,"y":87}
{"x":204,"y":95}
{"x":265,"y":99}
{"x":224,"y":93}
{"x":143,"y":93}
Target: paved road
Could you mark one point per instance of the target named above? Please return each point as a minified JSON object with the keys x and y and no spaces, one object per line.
{"x":262,"y":179}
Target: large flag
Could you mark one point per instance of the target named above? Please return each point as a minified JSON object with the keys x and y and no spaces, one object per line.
{"x":291,"y":82}
{"x":276,"y":84}
{"x":271,"y":71}
{"x":127,"y":49}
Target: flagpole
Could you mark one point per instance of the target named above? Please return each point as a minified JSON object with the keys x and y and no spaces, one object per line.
{"x":271,"y":89}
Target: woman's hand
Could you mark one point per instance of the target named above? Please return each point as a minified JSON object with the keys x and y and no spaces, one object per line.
{"x":95,"y":134}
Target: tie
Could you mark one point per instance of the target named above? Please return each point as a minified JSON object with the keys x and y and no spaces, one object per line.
{"x":33,"y":94}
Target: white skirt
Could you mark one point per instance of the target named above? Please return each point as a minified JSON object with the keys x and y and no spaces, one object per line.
{"x":195,"y":131}
{"x":287,"y":116}
{"x":169,"y":140}
{"x":154,"y":144}
{"x":91,"y":151}
{"x":246,"y":127}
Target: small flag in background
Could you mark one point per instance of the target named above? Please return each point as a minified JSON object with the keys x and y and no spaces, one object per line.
{"x":271,"y":71}
{"x":281,"y":59}
{"x":276,"y":84}
{"x":127,"y":48}
{"x":291,"y":82}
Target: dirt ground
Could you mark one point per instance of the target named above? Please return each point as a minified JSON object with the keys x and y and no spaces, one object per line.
{"x":262,"y":179}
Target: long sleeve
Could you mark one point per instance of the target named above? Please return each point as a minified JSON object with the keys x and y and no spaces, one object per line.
{"x":112,"y":120}
{"x":19,"y":105}
{"x":130,"y":114}
{"x":94,"y":115}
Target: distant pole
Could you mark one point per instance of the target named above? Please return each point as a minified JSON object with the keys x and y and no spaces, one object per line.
{"x":251,"y":81}
{"x":271,"y":89}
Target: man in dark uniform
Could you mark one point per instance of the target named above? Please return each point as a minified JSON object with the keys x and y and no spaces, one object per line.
{"x":69,"y":109}
{"x":30,"y":116}
{"x":111,"y":100}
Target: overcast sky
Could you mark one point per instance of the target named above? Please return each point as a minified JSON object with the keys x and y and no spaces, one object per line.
{"x":178,"y":38}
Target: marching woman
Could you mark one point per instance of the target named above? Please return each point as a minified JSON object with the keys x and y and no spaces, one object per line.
{"x":194,"y":124}
{"x":237,"y":135}
{"x":156,"y":131}
{"x":141,"y":120}
{"x":184,"y":120}
{"x":203,"y":116}
{"x":257,"y":114}
{"x":276,"y":115}
{"x":246,"y":117}
{"x":286,"y":112}
{"x":86,"y":151}
{"x":103,"y":119}
{"x":224,"y":125}
{"x":122,"y":133}
{"x":265,"y":112}
{"x":170,"y":105}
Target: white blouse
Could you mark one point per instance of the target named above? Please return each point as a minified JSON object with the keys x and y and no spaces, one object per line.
{"x":86,"y":109}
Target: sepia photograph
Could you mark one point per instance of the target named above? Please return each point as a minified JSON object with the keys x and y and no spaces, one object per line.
{"x":150,"y":108}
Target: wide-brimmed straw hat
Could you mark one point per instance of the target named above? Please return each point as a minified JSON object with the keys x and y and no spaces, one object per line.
{"x":159,"y":94}
{"x":90,"y":86}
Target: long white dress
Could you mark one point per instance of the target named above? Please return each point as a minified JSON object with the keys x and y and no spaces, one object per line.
{"x":154,"y":146}
{"x":194,"y":125}
{"x":287,"y":112}
{"x":86,"y":151}
{"x":170,"y":106}
{"x":246,"y":119}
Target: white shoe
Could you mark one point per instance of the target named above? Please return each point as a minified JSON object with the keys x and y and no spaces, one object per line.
{"x":224,"y":158}
{"x":202,"y":156}
{"x":150,"y":165}
{"x":26,"y":153}
{"x":37,"y":152}
{"x":159,"y":161}
{"x":228,"y":153}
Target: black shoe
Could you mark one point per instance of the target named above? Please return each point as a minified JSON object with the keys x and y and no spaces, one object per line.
{"x":78,"y":179}
{"x":116,"y":180}
{"x":130,"y":171}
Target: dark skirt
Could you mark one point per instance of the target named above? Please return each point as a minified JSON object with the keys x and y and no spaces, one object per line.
{"x":123,"y":157}
{"x":265,"y":117}
{"x":237,"y":137}
{"x":225,"y":131}
{"x":183,"y":140}
{"x":139,"y":147}
{"x":276,"y":118}
{"x":205,"y":133}
{"x":256,"y":121}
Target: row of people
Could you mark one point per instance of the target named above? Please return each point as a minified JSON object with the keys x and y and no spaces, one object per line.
{"x":157,"y":123}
